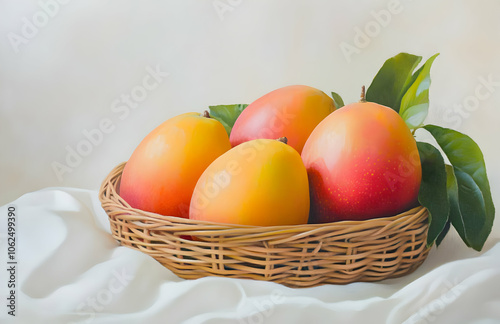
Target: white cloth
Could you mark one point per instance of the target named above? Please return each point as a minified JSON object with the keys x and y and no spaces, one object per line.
{"x":70,"y":270}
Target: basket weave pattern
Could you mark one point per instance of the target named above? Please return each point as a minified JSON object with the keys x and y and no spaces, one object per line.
{"x":294,"y":255}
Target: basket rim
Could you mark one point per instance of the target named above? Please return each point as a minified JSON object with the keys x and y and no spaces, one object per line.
{"x":109,"y":194}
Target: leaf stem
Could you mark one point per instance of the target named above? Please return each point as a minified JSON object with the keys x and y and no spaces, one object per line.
{"x":415,"y":129}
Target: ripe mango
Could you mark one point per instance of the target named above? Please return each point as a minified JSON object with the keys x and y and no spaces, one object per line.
{"x":260,"y":182}
{"x":292,"y":111}
{"x":161,"y":174}
{"x":362,"y":162}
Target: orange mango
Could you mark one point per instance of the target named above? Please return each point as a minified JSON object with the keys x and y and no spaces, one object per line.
{"x":162,"y":172}
{"x":292,"y":112}
{"x":260,"y":182}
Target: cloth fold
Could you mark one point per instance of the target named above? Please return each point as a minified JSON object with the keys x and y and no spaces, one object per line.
{"x":71,"y":270}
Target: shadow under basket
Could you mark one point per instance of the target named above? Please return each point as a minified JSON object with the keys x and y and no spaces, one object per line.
{"x":294,"y":255}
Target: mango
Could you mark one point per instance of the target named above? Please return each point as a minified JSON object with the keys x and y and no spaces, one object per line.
{"x":362,"y":162}
{"x":261,"y":182}
{"x":292,"y":112}
{"x":162,"y":172}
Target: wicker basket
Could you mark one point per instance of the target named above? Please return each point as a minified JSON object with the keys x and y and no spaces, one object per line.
{"x":294,"y":255}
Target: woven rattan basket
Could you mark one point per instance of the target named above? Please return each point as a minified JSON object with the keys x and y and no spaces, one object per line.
{"x":295,"y":255}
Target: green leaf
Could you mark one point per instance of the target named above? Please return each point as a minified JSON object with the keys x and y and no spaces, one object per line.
{"x":337,"y":99}
{"x":388,"y":85}
{"x":472,"y":209}
{"x":467,"y":159}
{"x":432,"y":194}
{"x":455,"y":215}
{"x":415,"y":102}
{"x":443,"y":233}
{"x":227,"y":114}
{"x":415,"y":115}
{"x":408,"y":84}
{"x":467,"y":209}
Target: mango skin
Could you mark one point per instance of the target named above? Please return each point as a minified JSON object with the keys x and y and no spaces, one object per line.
{"x":161,"y":174}
{"x":292,"y":112}
{"x":261,"y":182}
{"x":362,"y":162}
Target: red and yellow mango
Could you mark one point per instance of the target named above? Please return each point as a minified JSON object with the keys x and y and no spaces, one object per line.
{"x":362,"y":163}
{"x":292,"y":112}
{"x":162,"y":172}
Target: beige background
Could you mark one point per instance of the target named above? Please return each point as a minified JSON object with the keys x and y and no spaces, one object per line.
{"x":62,"y":78}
